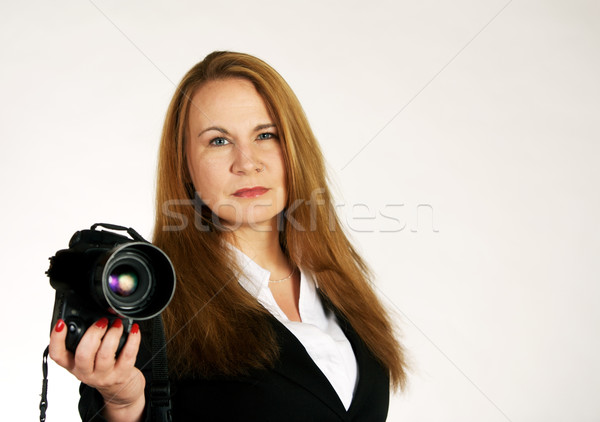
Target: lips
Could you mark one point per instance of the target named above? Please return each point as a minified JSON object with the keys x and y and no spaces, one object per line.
{"x":250,"y":192}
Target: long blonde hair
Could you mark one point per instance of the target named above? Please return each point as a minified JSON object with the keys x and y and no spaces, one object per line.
{"x":213,"y":325}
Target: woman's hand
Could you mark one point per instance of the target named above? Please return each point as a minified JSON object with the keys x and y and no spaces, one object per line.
{"x":94,"y":363}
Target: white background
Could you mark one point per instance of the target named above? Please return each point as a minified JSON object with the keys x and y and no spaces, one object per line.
{"x":462,"y":138}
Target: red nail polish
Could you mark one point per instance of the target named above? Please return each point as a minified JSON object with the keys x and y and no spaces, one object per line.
{"x":102,"y":323}
{"x":135,"y":329}
{"x":117,"y":323}
{"x":60,"y":324}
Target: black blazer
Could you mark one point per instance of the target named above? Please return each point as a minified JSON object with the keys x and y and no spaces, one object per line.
{"x":295,"y":390}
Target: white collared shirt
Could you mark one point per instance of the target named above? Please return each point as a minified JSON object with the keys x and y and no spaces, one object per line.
{"x":319,"y":332}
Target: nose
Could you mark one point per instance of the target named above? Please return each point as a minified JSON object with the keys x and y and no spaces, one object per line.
{"x":244,"y":160}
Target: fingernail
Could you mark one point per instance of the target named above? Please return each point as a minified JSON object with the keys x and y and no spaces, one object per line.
{"x":102,"y":322}
{"x":60,"y":324}
{"x":117,"y":323}
{"x":135,"y":329}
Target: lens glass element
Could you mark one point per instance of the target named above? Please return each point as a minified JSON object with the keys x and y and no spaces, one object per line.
{"x":123,"y":280}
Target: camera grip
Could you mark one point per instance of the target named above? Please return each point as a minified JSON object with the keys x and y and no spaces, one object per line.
{"x":78,"y":318}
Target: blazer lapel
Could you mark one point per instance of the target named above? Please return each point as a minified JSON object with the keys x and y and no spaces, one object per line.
{"x":364,"y":369}
{"x":373,"y":382}
{"x":296,"y":365}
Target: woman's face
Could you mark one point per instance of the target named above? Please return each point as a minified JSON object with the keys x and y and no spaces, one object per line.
{"x":234,"y":155}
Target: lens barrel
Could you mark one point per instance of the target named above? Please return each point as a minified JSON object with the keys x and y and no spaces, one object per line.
{"x":136,"y":279}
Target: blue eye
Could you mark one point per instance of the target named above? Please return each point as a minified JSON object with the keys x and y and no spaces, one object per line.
{"x":266,"y":135}
{"x":219,"y":142}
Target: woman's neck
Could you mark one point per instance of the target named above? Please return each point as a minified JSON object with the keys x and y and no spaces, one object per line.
{"x":262,"y":246}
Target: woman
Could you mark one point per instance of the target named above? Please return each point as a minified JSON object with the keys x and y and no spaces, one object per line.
{"x":274,"y":317}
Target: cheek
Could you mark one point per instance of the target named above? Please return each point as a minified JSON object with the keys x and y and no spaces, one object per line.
{"x":209,"y":178}
{"x":283,"y":178}
{"x":277,"y":162}
{"x":281,"y":182}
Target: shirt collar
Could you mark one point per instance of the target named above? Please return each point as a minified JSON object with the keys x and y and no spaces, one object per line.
{"x":255,"y":280}
{"x":253,"y":277}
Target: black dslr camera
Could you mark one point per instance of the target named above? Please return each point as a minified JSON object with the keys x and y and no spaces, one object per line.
{"x":104,"y":274}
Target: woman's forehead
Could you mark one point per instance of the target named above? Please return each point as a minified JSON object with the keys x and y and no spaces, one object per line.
{"x":228,"y":100}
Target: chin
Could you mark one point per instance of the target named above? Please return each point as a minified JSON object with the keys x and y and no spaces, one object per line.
{"x":257,"y":223}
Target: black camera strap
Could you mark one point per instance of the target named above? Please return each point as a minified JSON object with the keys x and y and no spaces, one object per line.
{"x":160,"y":390}
{"x":134,"y":235}
{"x":44,"y":395}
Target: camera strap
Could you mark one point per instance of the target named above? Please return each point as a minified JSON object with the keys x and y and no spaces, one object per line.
{"x":44,"y":395}
{"x":160,"y":390}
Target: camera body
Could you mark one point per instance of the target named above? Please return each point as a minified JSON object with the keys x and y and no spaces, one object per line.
{"x":104,"y":274}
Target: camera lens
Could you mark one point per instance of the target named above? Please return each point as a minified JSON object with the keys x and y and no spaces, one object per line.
{"x":128,"y":280}
{"x":123,"y":280}
{"x":135,"y":280}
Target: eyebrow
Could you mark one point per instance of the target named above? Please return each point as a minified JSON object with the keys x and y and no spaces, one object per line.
{"x":264,"y":126}
{"x":217,"y":128}
{"x":225,"y":132}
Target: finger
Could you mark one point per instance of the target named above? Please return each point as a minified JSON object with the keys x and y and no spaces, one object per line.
{"x":85,"y":354}
{"x":129,"y":352}
{"x":58,"y":350}
{"x":106,"y":356}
